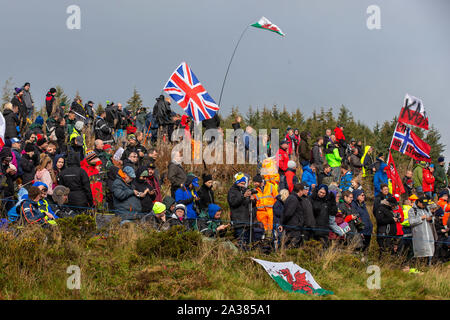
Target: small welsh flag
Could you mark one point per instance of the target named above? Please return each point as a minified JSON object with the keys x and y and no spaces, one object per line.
{"x":264,"y":23}
{"x":292,"y":278}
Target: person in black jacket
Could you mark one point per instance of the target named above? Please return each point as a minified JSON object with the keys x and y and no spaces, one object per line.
{"x":78,"y":108}
{"x":239,"y":200}
{"x":212,"y":123}
{"x":147,"y":191}
{"x":28,"y":163}
{"x":101,"y":128}
{"x":60,"y":133}
{"x":163,"y":115}
{"x":324,"y":206}
{"x":89,"y":107}
{"x":11,"y":120}
{"x":77,"y":180}
{"x":18,"y":101}
{"x":386,"y":223}
{"x":205,"y":193}
{"x":383,"y":195}
{"x":49,"y":100}
{"x":292,"y":220}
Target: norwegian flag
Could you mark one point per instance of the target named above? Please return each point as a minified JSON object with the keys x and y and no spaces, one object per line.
{"x":394,"y":177}
{"x":407,"y":142}
{"x":413,"y":112}
{"x":184,"y":87}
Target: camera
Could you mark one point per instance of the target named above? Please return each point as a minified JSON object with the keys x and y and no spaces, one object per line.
{"x":253,"y":191}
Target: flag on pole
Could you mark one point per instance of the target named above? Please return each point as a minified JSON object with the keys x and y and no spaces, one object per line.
{"x":292,"y":278}
{"x":407,"y":142}
{"x":413,"y":113}
{"x":184,"y":87}
{"x":2,"y":130}
{"x":264,"y":23}
{"x":394,"y":177}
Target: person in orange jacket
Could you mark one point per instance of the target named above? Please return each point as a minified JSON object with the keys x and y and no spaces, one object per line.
{"x":90,"y":164}
{"x":428,"y":180}
{"x":443,"y":203}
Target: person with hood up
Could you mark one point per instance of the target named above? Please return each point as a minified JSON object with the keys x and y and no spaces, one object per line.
{"x":178,"y":218}
{"x":92,"y":164}
{"x":11,"y":120}
{"x":59,"y":164}
{"x":215,"y":226}
{"x":380,"y":178}
{"x":359,"y":205}
{"x":77,"y":180}
{"x":187,"y":195}
{"x":423,"y":232}
{"x":148,"y":193}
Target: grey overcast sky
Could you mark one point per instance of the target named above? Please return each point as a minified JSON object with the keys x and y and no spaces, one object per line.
{"x":329,"y":57}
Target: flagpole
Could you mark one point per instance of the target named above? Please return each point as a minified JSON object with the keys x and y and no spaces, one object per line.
{"x":229,"y":64}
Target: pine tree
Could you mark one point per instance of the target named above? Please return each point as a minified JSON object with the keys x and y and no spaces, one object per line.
{"x":135,"y":102}
{"x":7,"y":91}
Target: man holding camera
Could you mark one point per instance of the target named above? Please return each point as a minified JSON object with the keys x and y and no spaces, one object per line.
{"x":242,"y":209}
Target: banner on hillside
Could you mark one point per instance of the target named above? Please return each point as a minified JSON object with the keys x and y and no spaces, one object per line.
{"x":292,"y":278}
{"x":407,"y":142}
{"x":413,"y":113}
{"x":394,"y":177}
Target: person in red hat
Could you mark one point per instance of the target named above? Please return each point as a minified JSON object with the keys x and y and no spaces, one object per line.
{"x":91,"y":164}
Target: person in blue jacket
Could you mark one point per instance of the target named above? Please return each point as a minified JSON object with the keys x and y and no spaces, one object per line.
{"x":380,"y":178}
{"x":309,"y":176}
{"x":187,"y":195}
{"x":346,"y":178}
{"x":359,"y":204}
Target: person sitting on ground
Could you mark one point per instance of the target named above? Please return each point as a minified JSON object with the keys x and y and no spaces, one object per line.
{"x":157,"y":216}
{"x":215,"y":228}
{"x":29,"y":209}
{"x":126,"y":198}
{"x":206,"y":193}
{"x":188,"y":196}
{"x":61,"y":197}
{"x":146,"y":190}
{"x":177,"y":219}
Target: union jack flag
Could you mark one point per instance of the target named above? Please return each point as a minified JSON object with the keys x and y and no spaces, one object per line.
{"x":407,"y":142}
{"x":184,"y":87}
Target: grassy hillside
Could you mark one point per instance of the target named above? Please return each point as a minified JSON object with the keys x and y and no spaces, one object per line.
{"x":134,"y":262}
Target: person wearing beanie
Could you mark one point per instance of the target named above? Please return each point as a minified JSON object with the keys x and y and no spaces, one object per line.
{"x":187,"y":195}
{"x":206,"y":193}
{"x":178,"y":218}
{"x":147,"y":191}
{"x":77,"y":139}
{"x":289,"y":179}
{"x":386,"y":223}
{"x":441,"y":179}
{"x":126,"y":198}
{"x":49,"y":101}
{"x":17,"y":101}
{"x":157,"y":217}
{"x":92,"y":164}
{"x":282,"y":157}
{"x":423,"y":232}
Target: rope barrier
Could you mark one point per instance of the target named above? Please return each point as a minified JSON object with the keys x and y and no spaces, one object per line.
{"x":117,"y":212}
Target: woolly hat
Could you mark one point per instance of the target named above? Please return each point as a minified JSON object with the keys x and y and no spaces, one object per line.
{"x":39,"y":120}
{"x":52,"y":90}
{"x":18,"y":90}
{"x":392,"y":201}
{"x":131,"y":136}
{"x":322,"y":186}
{"x":159,"y":207}
{"x":129,"y":172}
{"x":180,"y":206}
{"x":90,"y":155}
{"x":206,"y":177}
{"x":240,"y":177}
{"x":62,"y":104}
{"x":258,"y":178}
{"x":291,"y":164}
{"x":441,"y":159}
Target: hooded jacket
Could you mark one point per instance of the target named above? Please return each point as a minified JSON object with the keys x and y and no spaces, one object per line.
{"x":308,"y":176}
{"x":427,"y":180}
{"x":126,"y":204}
{"x":77,"y":180}
{"x":185,"y":196}
{"x":379,"y":178}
